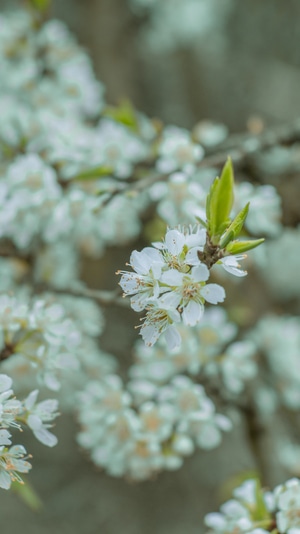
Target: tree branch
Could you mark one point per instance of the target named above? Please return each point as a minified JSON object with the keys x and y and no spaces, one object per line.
{"x":103,"y":297}
{"x":240,"y":147}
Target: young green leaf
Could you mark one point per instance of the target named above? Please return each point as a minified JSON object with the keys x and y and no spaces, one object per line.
{"x":235,"y":227}
{"x":93,"y":174}
{"x":201,"y":221}
{"x":219,"y":202}
{"x":124,"y":114}
{"x":40,"y":5}
{"x":237,"y":247}
{"x":28,"y":495}
{"x":227,"y":238}
{"x":260,"y":513}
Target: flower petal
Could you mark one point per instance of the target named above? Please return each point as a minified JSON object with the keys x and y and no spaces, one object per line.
{"x":172,"y":277}
{"x":192,"y":313}
{"x":173,"y":338}
{"x":200,"y":273}
{"x":170,"y":300}
{"x":150,"y":334}
{"x":213,"y":293}
{"x":130,"y":283}
{"x":140,"y":262}
{"x":174,"y":242}
{"x":5,"y":382}
{"x":139,"y":301}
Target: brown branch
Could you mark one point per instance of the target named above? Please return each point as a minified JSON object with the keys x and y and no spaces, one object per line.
{"x":7,"y":351}
{"x":256,"y":433}
{"x":9,"y":250}
{"x":103,"y":297}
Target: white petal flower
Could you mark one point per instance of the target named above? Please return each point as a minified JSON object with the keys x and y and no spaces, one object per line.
{"x":173,"y":337}
{"x":143,"y":284}
{"x":39,"y":417}
{"x":5,"y":383}
{"x":174,"y":242}
{"x":231,"y":264}
{"x":178,"y":151}
{"x":213,"y":293}
{"x":4,"y":437}
{"x":12,"y":462}
{"x":158,"y":321}
{"x":192,"y":313}
{"x":189,"y":292}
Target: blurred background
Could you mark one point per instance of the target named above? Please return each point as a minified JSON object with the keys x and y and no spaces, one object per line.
{"x":219,"y":59}
{"x":238,"y":63}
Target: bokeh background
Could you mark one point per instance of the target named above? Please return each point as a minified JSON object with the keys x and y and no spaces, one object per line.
{"x":244,"y":60}
{"x":242,"y":68}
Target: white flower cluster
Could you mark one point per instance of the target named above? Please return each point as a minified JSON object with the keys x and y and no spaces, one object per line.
{"x":170,"y":283}
{"x":93,"y":362}
{"x":206,"y":349}
{"x":278,"y":510}
{"x":177,"y":151}
{"x":65,"y":159}
{"x":57,"y":166}
{"x":27,"y":54}
{"x":14,"y":413}
{"x":279,"y":340}
{"x":150,"y":429}
{"x":55,"y":342}
{"x":29,"y":192}
{"x":40,"y":333}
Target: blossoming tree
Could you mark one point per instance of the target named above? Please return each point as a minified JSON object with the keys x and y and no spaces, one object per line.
{"x":78,"y":176}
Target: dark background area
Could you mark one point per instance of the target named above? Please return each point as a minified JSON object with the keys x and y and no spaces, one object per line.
{"x":255,"y":73}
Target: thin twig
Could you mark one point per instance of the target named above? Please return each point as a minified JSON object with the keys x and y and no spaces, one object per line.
{"x":256,"y":431}
{"x":103,"y":297}
{"x":239,"y":147}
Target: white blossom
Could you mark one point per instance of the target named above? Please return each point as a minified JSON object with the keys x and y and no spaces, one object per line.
{"x":12,"y":462}
{"x":287,"y":498}
{"x":178,"y":151}
{"x":170,"y":283}
{"x":139,"y":439}
{"x":38,"y":417}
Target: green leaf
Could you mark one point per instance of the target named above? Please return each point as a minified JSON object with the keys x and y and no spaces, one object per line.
{"x":201,"y":221}
{"x":28,"y":495}
{"x":40,"y":5}
{"x":237,"y":247}
{"x":93,"y":174}
{"x":260,"y":512}
{"x":227,"y":237}
{"x":208,"y":200}
{"x":219,"y":203}
{"x":124,"y":113}
{"x":235,"y":227}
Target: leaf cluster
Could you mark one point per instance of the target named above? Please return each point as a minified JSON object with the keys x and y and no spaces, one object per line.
{"x":222,"y":230}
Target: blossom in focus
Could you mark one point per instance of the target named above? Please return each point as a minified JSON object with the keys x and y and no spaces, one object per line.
{"x":170,"y":283}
